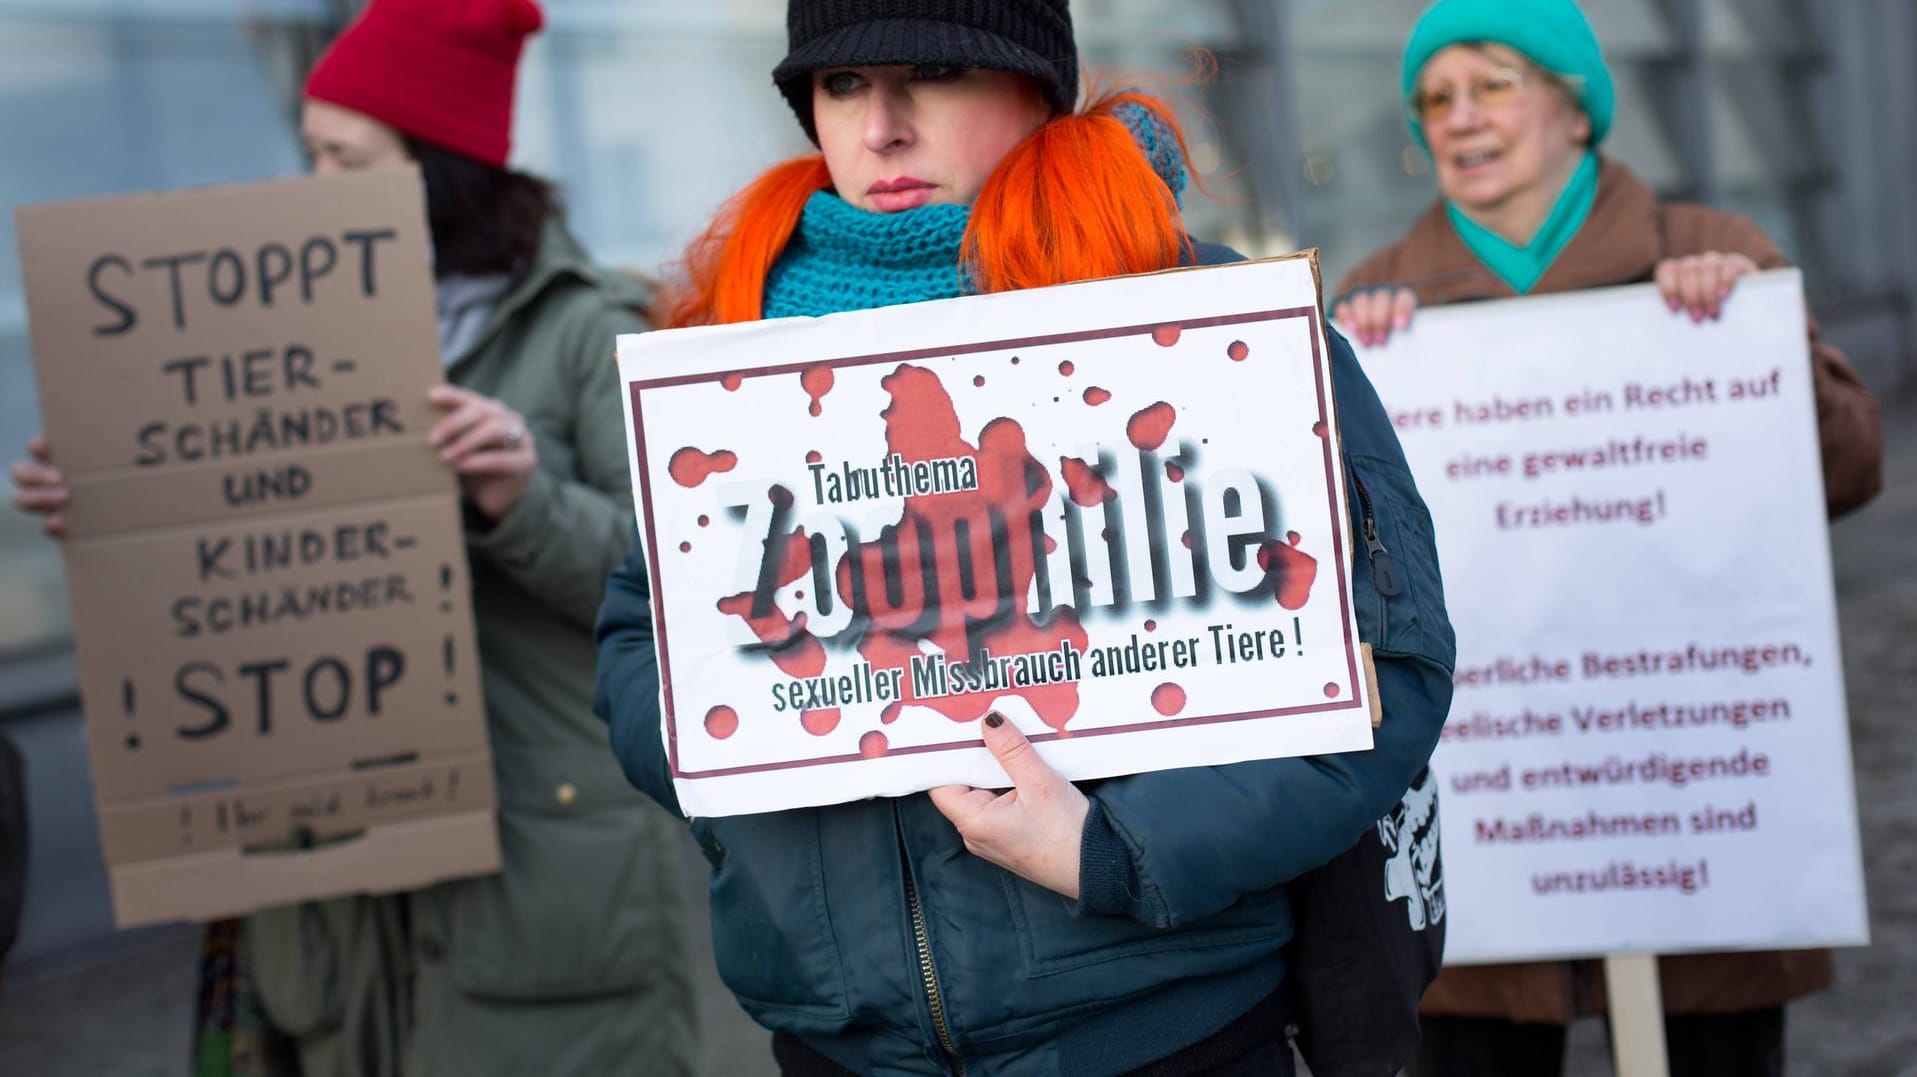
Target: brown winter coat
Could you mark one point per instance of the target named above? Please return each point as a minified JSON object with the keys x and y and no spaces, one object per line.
{"x":1628,"y":233}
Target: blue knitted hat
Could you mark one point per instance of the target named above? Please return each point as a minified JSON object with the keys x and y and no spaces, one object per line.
{"x":1552,"y":34}
{"x":1159,"y":145}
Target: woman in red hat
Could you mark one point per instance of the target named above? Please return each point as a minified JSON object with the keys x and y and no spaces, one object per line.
{"x":571,"y":961}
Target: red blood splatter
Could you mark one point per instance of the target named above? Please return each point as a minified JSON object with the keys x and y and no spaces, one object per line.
{"x":704,"y":520}
{"x":1148,"y":428}
{"x":732,"y":381}
{"x":1332,"y":690}
{"x":1014,"y":360}
{"x":1174,"y":472}
{"x":979,"y":381}
{"x":820,"y":722}
{"x":779,"y":496}
{"x":1290,"y":570}
{"x":796,"y":652}
{"x":1318,"y":428}
{"x":816,"y":381}
{"x":796,"y":559}
{"x":891,"y":712}
{"x":1186,"y":539}
{"x":989,"y":614}
{"x":1066,"y":368}
{"x":689,"y":467}
{"x":1096,"y":396}
{"x":813,"y":457}
{"x":1294,"y":537}
{"x":1168,"y":699}
{"x":685,"y":547}
{"x":1151,"y":626}
{"x":1085,"y":485}
{"x":722,"y":722}
{"x":1166,"y":335}
{"x":799,"y":595}
{"x":1238,"y":350}
{"x":873,"y":745}
{"x":1051,"y":544}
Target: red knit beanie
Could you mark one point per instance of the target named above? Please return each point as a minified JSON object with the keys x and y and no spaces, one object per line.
{"x":438,"y":70}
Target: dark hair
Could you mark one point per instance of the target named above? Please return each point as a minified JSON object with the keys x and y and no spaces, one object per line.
{"x":483,"y":219}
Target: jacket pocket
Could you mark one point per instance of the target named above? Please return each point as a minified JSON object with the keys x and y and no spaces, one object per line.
{"x":771,"y":935}
{"x":1053,"y":939}
{"x":294,"y":953}
{"x":589,"y":904}
{"x":1397,"y":592}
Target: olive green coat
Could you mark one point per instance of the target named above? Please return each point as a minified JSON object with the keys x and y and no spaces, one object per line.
{"x":572,"y":960}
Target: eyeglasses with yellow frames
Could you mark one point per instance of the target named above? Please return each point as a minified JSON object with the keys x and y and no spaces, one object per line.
{"x":1492,"y":91}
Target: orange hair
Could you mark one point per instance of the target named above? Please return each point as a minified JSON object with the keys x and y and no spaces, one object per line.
{"x":1077,"y":200}
{"x":726,"y":265}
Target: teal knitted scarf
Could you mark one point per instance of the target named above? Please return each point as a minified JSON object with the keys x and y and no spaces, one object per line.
{"x":841,"y":257}
{"x":1520,"y":267}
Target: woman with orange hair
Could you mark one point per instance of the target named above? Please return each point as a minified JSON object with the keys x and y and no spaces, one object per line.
{"x":1136,"y":924}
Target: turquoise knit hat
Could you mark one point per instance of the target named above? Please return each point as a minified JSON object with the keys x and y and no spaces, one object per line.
{"x":1552,"y":34}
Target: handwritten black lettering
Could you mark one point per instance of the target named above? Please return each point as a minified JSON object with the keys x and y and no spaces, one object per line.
{"x":128,"y":319}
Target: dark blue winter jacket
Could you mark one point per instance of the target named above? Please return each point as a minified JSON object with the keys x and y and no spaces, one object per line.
{"x":1182,"y":916}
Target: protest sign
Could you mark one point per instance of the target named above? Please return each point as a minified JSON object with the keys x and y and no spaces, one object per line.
{"x":263,"y":555}
{"x":1648,"y":749}
{"x":1112,"y":511}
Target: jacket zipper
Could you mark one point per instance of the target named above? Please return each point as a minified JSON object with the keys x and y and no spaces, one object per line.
{"x":922,"y":940}
{"x":1384,"y":573}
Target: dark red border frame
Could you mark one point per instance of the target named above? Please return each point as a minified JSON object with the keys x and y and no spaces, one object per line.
{"x":652,"y":546}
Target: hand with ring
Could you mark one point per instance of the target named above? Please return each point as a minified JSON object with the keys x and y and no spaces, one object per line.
{"x":488,"y":445}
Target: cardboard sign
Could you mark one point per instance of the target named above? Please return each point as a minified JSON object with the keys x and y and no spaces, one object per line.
{"x":264,"y":558}
{"x":1648,"y":749}
{"x":1113,"y":512}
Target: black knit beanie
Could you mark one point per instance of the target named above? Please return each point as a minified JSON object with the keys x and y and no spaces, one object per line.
{"x":1028,"y":37}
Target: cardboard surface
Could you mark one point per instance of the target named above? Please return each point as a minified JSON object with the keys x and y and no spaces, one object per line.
{"x":1112,"y":511}
{"x":264,"y":557}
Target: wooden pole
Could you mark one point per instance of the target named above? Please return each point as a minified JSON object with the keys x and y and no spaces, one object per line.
{"x":1637,"y":1015}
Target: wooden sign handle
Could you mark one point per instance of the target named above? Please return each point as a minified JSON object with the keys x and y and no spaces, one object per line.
{"x":1637,"y":1015}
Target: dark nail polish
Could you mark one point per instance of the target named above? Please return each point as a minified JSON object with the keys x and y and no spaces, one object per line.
{"x":995,"y":719}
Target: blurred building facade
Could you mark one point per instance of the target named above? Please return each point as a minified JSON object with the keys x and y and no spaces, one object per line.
{"x":1801,"y":114}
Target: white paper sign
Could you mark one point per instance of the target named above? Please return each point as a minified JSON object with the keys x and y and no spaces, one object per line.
{"x":1648,"y":748}
{"x":1113,"y":512}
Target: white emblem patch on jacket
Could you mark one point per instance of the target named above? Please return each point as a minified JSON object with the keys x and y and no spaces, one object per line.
{"x":1410,"y":835}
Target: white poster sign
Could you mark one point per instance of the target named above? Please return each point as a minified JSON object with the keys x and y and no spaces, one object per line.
{"x":1112,"y":512}
{"x":1648,"y":748}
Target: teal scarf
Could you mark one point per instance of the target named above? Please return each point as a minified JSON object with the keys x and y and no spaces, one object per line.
{"x":1520,"y":267}
{"x":841,"y":257}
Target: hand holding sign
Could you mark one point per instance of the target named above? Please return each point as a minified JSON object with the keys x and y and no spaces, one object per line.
{"x":1034,"y":829}
{"x":1699,"y":283}
{"x":39,"y":487}
{"x":488,"y":444}
{"x":1372,"y":316}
